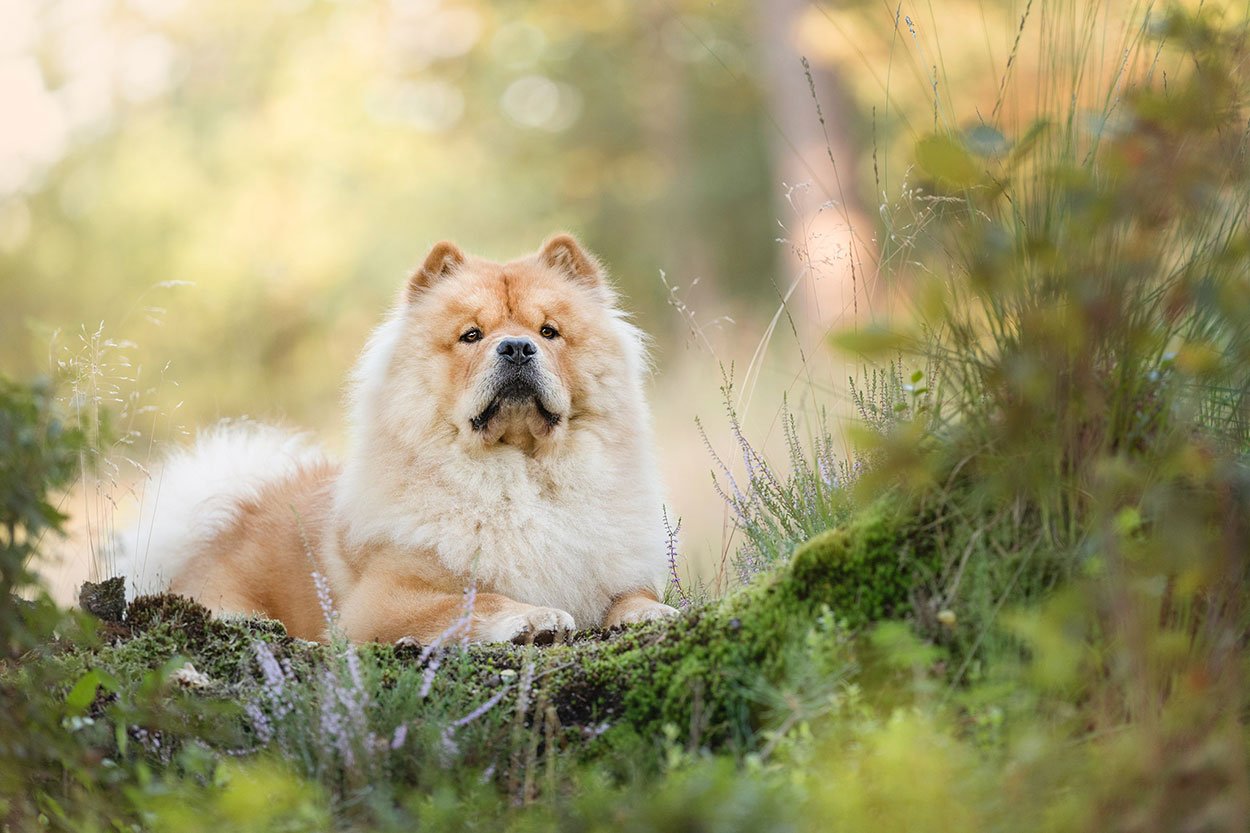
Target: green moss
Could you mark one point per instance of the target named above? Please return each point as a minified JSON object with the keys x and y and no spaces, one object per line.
{"x":704,"y":680}
{"x":701,"y":672}
{"x":871,"y":571}
{"x":159,"y":628}
{"x":106,"y":600}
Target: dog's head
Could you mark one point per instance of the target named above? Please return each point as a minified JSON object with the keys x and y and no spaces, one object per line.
{"x":511,"y":353}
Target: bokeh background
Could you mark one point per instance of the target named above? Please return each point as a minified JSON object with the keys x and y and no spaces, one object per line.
{"x":205,"y":206}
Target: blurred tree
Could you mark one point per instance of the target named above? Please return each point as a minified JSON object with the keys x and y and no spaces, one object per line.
{"x":815,"y":150}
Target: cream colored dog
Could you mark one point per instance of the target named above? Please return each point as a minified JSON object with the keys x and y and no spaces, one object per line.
{"x":500,"y":440}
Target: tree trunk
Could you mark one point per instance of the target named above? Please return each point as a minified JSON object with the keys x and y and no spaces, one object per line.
{"x":829,"y":233}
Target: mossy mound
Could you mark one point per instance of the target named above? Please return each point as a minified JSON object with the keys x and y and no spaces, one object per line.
{"x":704,"y":671}
{"x":701,"y":672}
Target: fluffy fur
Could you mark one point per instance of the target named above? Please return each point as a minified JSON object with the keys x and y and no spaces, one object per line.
{"x":201,"y":492}
{"x":500,"y":440}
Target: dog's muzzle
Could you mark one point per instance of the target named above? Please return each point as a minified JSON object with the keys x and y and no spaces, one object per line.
{"x":516,"y":379}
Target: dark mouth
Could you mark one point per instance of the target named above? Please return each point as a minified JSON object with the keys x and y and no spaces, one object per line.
{"x":552,"y":419}
{"x":514,"y":391}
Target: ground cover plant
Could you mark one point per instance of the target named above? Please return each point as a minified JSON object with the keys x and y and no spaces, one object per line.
{"x":1021,"y":605}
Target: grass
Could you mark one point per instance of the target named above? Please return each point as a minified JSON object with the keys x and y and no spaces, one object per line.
{"x":1020,"y":605}
{"x":111,"y":397}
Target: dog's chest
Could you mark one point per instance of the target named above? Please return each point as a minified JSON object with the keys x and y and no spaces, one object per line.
{"x":569,"y":542}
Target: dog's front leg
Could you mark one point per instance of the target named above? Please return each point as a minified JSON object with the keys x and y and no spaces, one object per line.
{"x":386,"y":611}
{"x":636,"y":606}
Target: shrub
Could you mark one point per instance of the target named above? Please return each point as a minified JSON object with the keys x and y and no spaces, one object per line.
{"x":1096,"y":291}
{"x":39,"y":454}
{"x":777,"y":508}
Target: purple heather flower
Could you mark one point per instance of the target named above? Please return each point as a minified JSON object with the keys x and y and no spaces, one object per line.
{"x":670,"y":532}
{"x":401,"y":735}
{"x":447,"y":740}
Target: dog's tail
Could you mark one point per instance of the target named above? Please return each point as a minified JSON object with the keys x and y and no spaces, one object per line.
{"x":199,"y":492}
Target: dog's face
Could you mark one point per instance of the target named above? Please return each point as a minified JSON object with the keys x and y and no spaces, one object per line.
{"x":513,"y":353}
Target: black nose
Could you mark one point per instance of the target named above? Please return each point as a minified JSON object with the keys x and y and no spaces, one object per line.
{"x":517,"y":350}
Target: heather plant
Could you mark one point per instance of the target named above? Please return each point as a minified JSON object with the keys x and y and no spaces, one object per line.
{"x":778,"y":508}
{"x":676,"y":592}
{"x":883,"y":399}
{"x":321,"y":720}
{"x":325,"y":718}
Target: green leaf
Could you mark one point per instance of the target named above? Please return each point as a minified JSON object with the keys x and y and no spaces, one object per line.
{"x":947,"y":161}
{"x":901,"y":648}
{"x":1028,"y":142}
{"x":83,"y":693}
{"x":870,"y":341}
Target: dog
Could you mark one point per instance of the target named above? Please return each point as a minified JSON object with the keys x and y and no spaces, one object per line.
{"x":500,"y":474}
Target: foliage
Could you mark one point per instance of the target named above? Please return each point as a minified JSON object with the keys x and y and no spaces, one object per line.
{"x":39,"y":454}
{"x":1081,"y":302}
{"x":174,"y":688}
{"x":1096,"y":298}
{"x":777,"y":509}
{"x":513,"y":716}
{"x":593,"y":684}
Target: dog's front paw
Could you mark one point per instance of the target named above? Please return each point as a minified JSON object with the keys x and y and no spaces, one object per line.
{"x":643,"y":611}
{"x":533,"y":625}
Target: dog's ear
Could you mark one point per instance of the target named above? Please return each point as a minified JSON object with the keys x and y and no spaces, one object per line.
{"x":564,"y":254}
{"x":442,"y":260}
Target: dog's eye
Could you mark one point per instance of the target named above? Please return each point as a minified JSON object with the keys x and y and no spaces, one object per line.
{"x":548,"y":331}
{"x":471,"y":335}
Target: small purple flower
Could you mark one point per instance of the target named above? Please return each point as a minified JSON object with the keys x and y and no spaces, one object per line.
{"x":260,"y":723}
{"x":670,"y":533}
{"x":325,"y":599}
{"x":271,"y":703}
{"x":447,"y":740}
{"x":462,"y":627}
{"x":275,"y":673}
{"x":427,"y":677}
{"x":592,"y":732}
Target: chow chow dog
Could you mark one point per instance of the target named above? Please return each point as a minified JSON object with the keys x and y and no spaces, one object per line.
{"x":499,"y":473}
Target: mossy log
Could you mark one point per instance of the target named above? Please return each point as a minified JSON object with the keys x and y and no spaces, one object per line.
{"x":702,"y":672}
